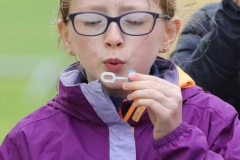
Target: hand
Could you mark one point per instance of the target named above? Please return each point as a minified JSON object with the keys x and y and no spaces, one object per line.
{"x":162,"y":99}
{"x":237,"y":2}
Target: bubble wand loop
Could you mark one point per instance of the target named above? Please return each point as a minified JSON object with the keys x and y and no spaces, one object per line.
{"x":139,"y":110}
{"x":113,"y":77}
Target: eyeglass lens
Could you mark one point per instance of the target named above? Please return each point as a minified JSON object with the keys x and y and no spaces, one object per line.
{"x":133,"y":23}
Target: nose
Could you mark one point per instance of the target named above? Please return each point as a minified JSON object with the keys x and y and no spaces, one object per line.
{"x":113,"y":36}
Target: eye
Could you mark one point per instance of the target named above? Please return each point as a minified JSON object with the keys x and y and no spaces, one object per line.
{"x":135,"y":22}
{"x":92,"y":23}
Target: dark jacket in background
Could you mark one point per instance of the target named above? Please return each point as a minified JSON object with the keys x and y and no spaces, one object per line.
{"x":209,"y":50}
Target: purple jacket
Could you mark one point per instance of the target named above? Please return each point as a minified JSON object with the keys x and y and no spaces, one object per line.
{"x":81,"y":123}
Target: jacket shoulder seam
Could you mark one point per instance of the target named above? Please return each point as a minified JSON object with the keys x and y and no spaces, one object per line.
{"x":20,"y":129}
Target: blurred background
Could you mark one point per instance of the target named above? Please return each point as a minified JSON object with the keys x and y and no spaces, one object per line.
{"x":30,"y":59}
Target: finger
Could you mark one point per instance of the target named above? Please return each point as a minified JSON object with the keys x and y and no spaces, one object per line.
{"x":142,"y":85}
{"x":158,"y":111}
{"x":142,"y":77}
{"x":160,"y":115}
{"x":172,"y":102}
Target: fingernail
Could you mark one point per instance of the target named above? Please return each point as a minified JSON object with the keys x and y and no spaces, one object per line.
{"x":130,"y":74}
{"x":129,"y":97}
{"x":131,"y":71}
{"x":124,"y":86}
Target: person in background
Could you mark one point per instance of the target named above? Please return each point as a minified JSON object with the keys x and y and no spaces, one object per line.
{"x":209,"y":50}
{"x":155,"y":113}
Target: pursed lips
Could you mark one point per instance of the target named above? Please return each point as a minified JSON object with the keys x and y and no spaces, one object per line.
{"x":114,"y":61}
{"x":113,"y":64}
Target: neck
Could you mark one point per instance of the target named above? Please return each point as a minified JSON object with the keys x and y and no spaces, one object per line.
{"x":116,"y":92}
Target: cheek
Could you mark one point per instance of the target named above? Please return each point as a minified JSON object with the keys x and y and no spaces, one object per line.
{"x":147,"y":53}
{"x":77,"y":41}
{"x":80,"y":42}
{"x":81,"y":47}
{"x":150,"y":46}
{"x":84,"y":47}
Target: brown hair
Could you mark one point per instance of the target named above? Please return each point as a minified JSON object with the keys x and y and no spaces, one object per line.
{"x":168,"y":7}
{"x":63,"y":10}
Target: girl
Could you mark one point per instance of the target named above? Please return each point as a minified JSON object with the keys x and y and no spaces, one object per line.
{"x":158,"y":114}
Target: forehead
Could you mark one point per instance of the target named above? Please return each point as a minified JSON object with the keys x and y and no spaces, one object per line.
{"x":115,"y":5}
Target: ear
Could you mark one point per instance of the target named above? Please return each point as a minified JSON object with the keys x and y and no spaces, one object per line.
{"x":63,"y":32}
{"x":172,"y":30}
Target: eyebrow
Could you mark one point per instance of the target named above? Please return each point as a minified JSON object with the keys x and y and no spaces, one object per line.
{"x":133,"y":7}
{"x":92,"y":8}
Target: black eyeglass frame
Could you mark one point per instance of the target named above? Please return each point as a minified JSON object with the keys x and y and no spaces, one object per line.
{"x":117,"y":20}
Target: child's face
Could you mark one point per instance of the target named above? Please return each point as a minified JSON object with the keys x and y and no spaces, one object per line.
{"x":114,"y":51}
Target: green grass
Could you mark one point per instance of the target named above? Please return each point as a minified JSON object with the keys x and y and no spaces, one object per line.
{"x":28,"y":27}
{"x":27,"y":30}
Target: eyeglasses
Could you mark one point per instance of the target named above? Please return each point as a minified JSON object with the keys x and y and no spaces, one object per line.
{"x":133,"y":23}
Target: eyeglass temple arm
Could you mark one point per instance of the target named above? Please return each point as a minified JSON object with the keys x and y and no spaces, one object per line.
{"x":165,"y":16}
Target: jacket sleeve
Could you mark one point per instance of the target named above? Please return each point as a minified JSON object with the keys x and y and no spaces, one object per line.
{"x":209,"y":49}
{"x":189,"y":142}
